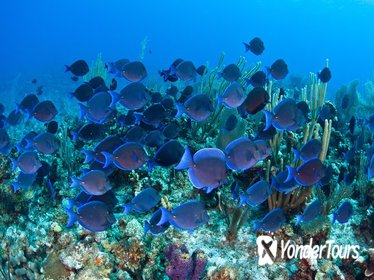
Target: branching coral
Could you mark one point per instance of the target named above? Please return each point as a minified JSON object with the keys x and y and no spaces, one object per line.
{"x":315,"y":99}
{"x":67,"y":153}
{"x":234,"y":217}
{"x":97,"y":69}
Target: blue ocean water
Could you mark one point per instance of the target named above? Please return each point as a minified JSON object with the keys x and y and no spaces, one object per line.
{"x":43,"y":35}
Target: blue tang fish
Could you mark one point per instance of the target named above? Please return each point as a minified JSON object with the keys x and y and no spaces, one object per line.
{"x":115,"y":68}
{"x":186,"y":216}
{"x":14,"y":118}
{"x":343,"y":213}
{"x":108,"y":198}
{"x":308,"y":174}
{"x":311,"y":212}
{"x":128,"y":156}
{"x":206,"y":169}
{"x":153,"y":115}
{"x":93,"y":182}
{"x":134,"y":71}
{"x":28,"y":103}
{"x":109,"y":144}
{"x":230,"y":73}
{"x":310,"y":150}
{"x":230,"y":123}
{"x":89,"y":132}
{"x":45,"y":143}
{"x":168,"y":154}
{"x":27,"y":162}
{"x":185,"y":71}
{"x":255,"y":101}
{"x":134,"y":96}
{"x":23,"y":181}
{"x":21,"y":145}
{"x":198,"y":108}
{"x":233,"y":96}
{"x":278,"y":182}
{"x":98,"y":108}
{"x":255,"y":194}
{"x":93,"y":216}
{"x":272,"y":221}
{"x":143,"y":201}
{"x":135,"y":134}
{"x":152,"y":226}
{"x":241,"y":154}
{"x":287,"y":115}
{"x":44,"y":111}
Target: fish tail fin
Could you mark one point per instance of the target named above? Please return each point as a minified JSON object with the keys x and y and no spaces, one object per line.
{"x":242,"y":200}
{"x":151,"y":164}
{"x":209,"y":189}
{"x":14,"y":164}
{"x":84,"y":170}
{"x":219,"y":100}
{"x":74,"y":135}
{"x":269,"y":119}
{"x":28,"y":115}
{"x":67,"y":68}
{"x":180,"y":110}
{"x":235,"y":191}
{"x":291,"y":173}
{"x":147,"y":226}
{"x":108,"y":159}
{"x":165,"y":216}
{"x":18,"y":147}
{"x":200,"y":72}
{"x":29,"y":145}
{"x":115,"y":97}
{"x":247,"y":82}
{"x":246,"y":46}
{"x":89,"y":156}
{"x":127,"y":208}
{"x":299,"y":218}
{"x":172,"y":71}
{"x":138,"y":118}
{"x":186,"y":160}
{"x":18,"y":108}
{"x":296,"y":154}
{"x":16,"y":186}
{"x":72,"y":216}
{"x":75,"y":183}
{"x":83,"y":111}
{"x":256,"y":226}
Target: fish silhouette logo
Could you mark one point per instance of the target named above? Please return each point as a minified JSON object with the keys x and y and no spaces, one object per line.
{"x":266,"y":249}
